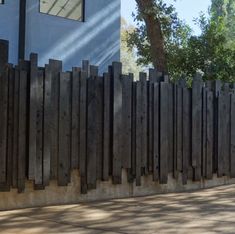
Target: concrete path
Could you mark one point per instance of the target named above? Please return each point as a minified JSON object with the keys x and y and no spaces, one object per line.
{"x":207,"y":211}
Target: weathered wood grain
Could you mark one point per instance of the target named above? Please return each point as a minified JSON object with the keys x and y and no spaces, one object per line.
{"x":16,"y":129}
{"x":91,"y":133}
{"x":156,"y":131}
{"x":217,"y":88}
{"x":47,"y":118}
{"x":22,"y":131}
{"x":126,"y":118}
{"x":170,"y":128}
{"x":56,"y":68}
{"x":209,"y":134}
{"x":179,"y":128}
{"x":4,"y":54}
{"x":10,"y":127}
{"x":164,"y":150}
{"x":197,"y":127}
{"x":154,"y":76}
{"x":64,"y":129}
{"x":175,"y":173}
{"x":107,"y":127}
{"x":4,"y":79}
{"x":83,"y":132}
{"x":39,"y":82}
{"x":75,"y":139}
{"x":132,"y":172}
{"x":223,"y":133}
{"x":32,"y":118}
{"x":204,"y":128}
{"x":117,"y":123}
{"x":143,"y":123}
{"x":232,"y":137}
{"x":94,"y":70}
{"x":99,"y":124}
{"x":186,"y":134}
{"x":86,"y":67}
{"x":138,"y":133}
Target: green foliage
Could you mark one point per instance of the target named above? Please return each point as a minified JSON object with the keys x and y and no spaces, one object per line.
{"x":173,"y":30}
{"x":225,"y":9}
{"x":212,"y":53}
{"x":128,"y":55}
{"x":206,"y":53}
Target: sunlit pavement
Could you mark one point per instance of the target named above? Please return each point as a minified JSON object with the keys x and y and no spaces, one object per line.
{"x":206,"y":211}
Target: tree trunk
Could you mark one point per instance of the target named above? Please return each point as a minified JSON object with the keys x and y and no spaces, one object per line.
{"x":154,"y":33}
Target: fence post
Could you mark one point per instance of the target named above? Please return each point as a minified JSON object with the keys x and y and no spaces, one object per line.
{"x":197,"y":126}
{"x":117,"y":122}
{"x":4,"y":48}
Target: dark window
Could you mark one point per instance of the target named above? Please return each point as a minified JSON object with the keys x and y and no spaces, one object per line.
{"x":1,"y":1}
{"x":70,"y":9}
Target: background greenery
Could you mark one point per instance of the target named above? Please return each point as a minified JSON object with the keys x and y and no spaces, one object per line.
{"x":212,"y":53}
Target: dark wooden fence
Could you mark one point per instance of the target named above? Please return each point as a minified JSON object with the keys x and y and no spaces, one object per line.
{"x":54,"y":121}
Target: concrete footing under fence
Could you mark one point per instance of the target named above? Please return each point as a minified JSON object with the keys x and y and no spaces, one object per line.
{"x":54,"y":195}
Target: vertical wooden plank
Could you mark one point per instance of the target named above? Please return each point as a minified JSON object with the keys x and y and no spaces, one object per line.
{"x":144,"y":158}
{"x":227,"y":127}
{"x":75,"y":119}
{"x":126,"y":117}
{"x":3,"y":130}
{"x":110,"y":72}
{"x":217,"y":89}
{"x":186,"y":133}
{"x":10,"y":133}
{"x":175,"y":173}
{"x":224,"y":132}
{"x":204,"y":128}
{"x":170,"y":128}
{"x":83,"y":132}
{"x":16,"y":129}
{"x":86,"y":67}
{"x":91,"y":133}
{"x":106,"y":127}
{"x":197,"y":127}
{"x":232,"y":137}
{"x":132,"y":172}
{"x":164,"y":88}
{"x":179,"y":127}
{"x":47,"y":126}
{"x":99,"y":125}
{"x":64,"y":129}
{"x":56,"y":68}
{"x":209,"y":134}
{"x":39,"y":130}
{"x":154,"y":76}
{"x":22,"y":131}
{"x":32,"y":117}
{"x":156,"y":131}
{"x":4,"y":48}
{"x":220,"y":163}
{"x":138,"y":133}
{"x":24,"y":65}
{"x":117,"y":123}
{"x":94,"y":70}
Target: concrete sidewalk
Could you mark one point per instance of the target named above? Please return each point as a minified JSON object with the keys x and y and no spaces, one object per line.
{"x":206,"y":211}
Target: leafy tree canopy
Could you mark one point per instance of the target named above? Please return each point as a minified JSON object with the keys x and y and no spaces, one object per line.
{"x":128,"y":55}
{"x":212,"y":52}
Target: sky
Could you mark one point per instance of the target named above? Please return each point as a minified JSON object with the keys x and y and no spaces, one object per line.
{"x":187,"y":10}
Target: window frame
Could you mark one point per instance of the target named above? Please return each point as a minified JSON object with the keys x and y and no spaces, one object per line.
{"x":62,"y":17}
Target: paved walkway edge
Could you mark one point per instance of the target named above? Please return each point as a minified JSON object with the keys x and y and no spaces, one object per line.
{"x":54,"y":195}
